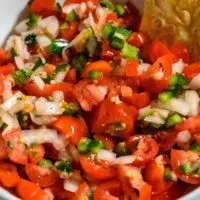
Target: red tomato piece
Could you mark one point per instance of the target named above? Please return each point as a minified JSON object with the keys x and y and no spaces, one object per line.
{"x":192,"y":70}
{"x":7,"y":69}
{"x":82,"y":192}
{"x":96,"y":170}
{"x":100,"y":66}
{"x":3,"y":149}
{"x":131,"y":68}
{"x":70,"y":32}
{"x":71,"y":76}
{"x":112,"y":17}
{"x":107,"y":140}
{"x":30,"y":191}
{"x":49,"y":68}
{"x":71,"y":127}
{"x":179,"y":157}
{"x":4,"y":56}
{"x":143,"y":147}
{"x":36,"y":153}
{"x":41,"y":176}
{"x":137,"y":39}
{"x":114,"y":119}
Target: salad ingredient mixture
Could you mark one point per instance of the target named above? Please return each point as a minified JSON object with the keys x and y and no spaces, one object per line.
{"x":93,"y":108}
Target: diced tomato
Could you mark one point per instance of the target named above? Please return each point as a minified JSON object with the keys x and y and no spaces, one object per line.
{"x":137,"y":39}
{"x":67,"y":2}
{"x":7,"y":69}
{"x":181,"y":52}
{"x":17,"y":152}
{"x":71,"y":127}
{"x":179,"y":157}
{"x":30,"y":191}
{"x":36,"y":153}
{"x":4,"y":56}
{"x":116,"y":119}
{"x":49,"y":68}
{"x":71,"y":76}
{"x":96,"y":170}
{"x":112,"y":17}
{"x":48,"y":90}
{"x":70,"y":32}
{"x":107,"y":140}
{"x":43,"y":177}
{"x":192,"y":70}
{"x":100,"y":66}
{"x":8,"y":175}
{"x":82,"y":192}
{"x":3,"y":150}
{"x":108,"y":191}
{"x":131,"y":68}
{"x":143,"y":147}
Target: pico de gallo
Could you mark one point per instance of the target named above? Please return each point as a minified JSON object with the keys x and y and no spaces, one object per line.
{"x":92,"y":108}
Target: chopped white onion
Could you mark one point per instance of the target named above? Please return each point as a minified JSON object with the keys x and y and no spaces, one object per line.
{"x":195,"y":82}
{"x":7,"y":105}
{"x":123,"y":62}
{"x":183,"y":136}
{"x":143,"y":68}
{"x":51,"y":25}
{"x":58,"y":96}
{"x":60,"y":76}
{"x":101,"y":14}
{"x":43,"y":41}
{"x":162,"y":112}
{"x":21,"y":48}
{"x":22,"y":26}
{"x":81,"y":10}
{"x":40,"y":136}
{"x":38,"y":81}
{"x":124,"y":160}
{"x":106,"y":155}
{"x":67,"y":9}
{"x":42,"y":120}
{"x":71,"y":185}
{"x":29,"y":66}
{"x":178,"y":67}
{"x":7,"y":91}
{"x":144,"y":111}
{"x":154,"y":119}
{"x":192,"y":98}
{"x":94,"y":26}
{"x":19,"y":62}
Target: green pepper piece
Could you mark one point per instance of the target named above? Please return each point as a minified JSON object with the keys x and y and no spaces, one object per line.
{"x":108,"y":30}
{"x":130,"y":51}
{"x":64,"y":166}
{"x":46,"y":163}
{"x":95,"y":146}
{"x":173,"y":120}
{"x":116,"y":43}
{"x":33,"y":20}
{"x":30,"y":39}
{"x":185,"y":168}
{"x":119,"y":9}
{"x":57,"y":46}
{"x":168,"y":175}
{"x":166,"y":95}
{"x":93,"y":75}
{"x":122,"y":33}
{"x":195,"y":147}
{"x":83,"y":146}
{"x":72,"y":16}
{"x":21,"y":76}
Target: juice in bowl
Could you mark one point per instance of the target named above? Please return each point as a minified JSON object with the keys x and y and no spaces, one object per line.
{"x":99,"y":100}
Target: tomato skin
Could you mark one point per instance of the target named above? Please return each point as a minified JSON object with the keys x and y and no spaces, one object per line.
{"x":70,"y":32}
{"x":110,"y":113}
{"x":181,"y":52}
{"x":100,"y":66}
{"x":178,"y":156}
{"x":95,"y":170}
{"x":191,"y":70}
{"x":48,"y":90}
{"x":30,"y":191}
{"x":3,"y":150}
{"x":146,"y":150}
{"x":131,"y":68}
{"x":17,"y":153}
{"x":41,"y":176}
{"x":82,"y":192}
{"x":71,"y":127}
{"x":7,"y":69}
{"x":192,"y":124}
{"x":71,"y":76}
{"x":8,"y":175}
{"x":108,"y":191}
{"x":112,"y":17}
{"x":137,"y":39}
{"x":107,"y":140}
{"x":49,"y":68}
{"x":36,"y":153}
{"x":4,"y":56}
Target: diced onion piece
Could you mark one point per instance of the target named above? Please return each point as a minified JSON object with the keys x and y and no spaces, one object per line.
{"x":124,"y":160}
{"x":42,"y":120}
{"x":71,"y":185}
{"x":162,"y":112}
{"x":40,"y":136}
{"x":60,"y":76}
{"x":50,"y":25}
{"x":94,"y":26}
{"x":7,"y":91}
{"x":22,"y":26}
{"x":19,"y":62}
{"x":20,"y":47}
{"x":195,"y":82}
{"x":67,"y":9}
{"x":29,"y":66}
{"x":7,"y":105}
{"x":58,"y":96}
{"x":192,"y":98}
{"x":178,"y":67}
{"x":64,"y":155}
{"x":43,"y":41}
{"x":183,"y":136}
{"x":154,"y":119}
{"x":143,"y":111}
{"x":106,"y":155}
{"x":143,"y":68}
{"x":101,"y":14}
{"x":81,"y":10}
{"x":38,"y":81}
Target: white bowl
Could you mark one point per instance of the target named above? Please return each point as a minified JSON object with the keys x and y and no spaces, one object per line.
{"x":11,"y":12}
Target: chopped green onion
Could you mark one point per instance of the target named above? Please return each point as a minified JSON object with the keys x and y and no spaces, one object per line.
{"x":177,"y":90}
{"x":79,"y":63}
{"x":165,"y":96}
{"x":61,"y":67}
{"x":107,"y":4}
{"x":108,"y":30}
{"x":63,"y":166}
{"x":13,"y":53}
{"x":122,"y":33}
{"x":168,"y":175}
{"x":57,"y":46}
{"x":38,"y":64}
{"x":72,"y":109}
{"x":195,"y":147}
{"x":10,"y":145}
{"x":93,"y":75}
{"x":116,"y":43}
{"x":83,"y":146}
{"x":119,"y":9}
{"x":72,"y":16}
{"x":130,"y":52}
{"x":33,"y":20}
{"x":173,"y":120}
{"x":59,"y":7}
{"x":21,"y":76}
{"x":64,"y":26}
{"x":185,"y":168}
{"x":95,"y":146}
{"x":178,"y":79}
{"x":3,"y":126}
{"x":121,"y":149}
{"x":46,"y":163}
{"x":30,"y":39}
